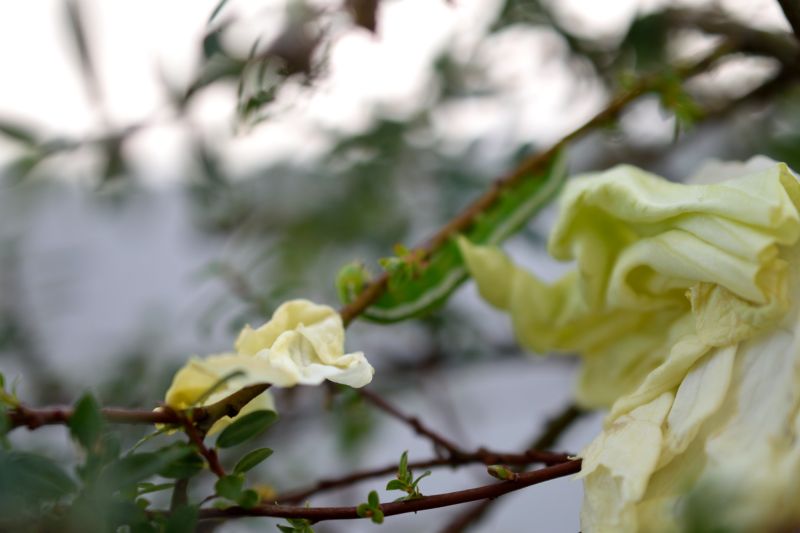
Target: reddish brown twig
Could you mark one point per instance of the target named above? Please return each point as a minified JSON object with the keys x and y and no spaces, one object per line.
{"x":553,"y":430}
{"x":481,"y":455}
{"x":33,"y":418}
{"x":317,"y":514}
{"x":440,"y":442}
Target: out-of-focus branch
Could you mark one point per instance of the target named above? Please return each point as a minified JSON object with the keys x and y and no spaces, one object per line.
{"x":791,"y":10}
{"x":530,"y":166}
{"x":554,"y":428}
{"x":317,"y":514}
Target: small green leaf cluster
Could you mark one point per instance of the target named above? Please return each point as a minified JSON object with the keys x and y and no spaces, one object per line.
{"x":405,"y":480}
{"x":371,"y":509}
{"x":405,"y":265}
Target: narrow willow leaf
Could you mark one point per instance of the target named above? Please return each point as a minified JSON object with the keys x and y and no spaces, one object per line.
{"x":77,"y":25}
{"x":18,"y":132}
{"x":251,"y":460}
{"x":216,"y":11}
{"x":246,"y":427}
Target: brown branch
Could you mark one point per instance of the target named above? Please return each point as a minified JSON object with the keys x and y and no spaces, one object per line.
{"x":530,"y":166}
{"x":791,"y":10}
{"x":317,"y":514}
{"x":204,"y":417}
{"x":440,"y":442}
{"x":481,"y":455}
{"x":553,"y":430}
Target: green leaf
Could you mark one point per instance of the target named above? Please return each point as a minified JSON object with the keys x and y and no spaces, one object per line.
{"x":301,"y":525}
{"x":86,"y":423}
{"x":77,"y":25}
{"x":27,"y":479}
{"x":396,"y":484}
{"x":420,"y":478}
{"x":182,"y":520}
{"x":363,"y":510}
{"x":251,"y":459}
{"x":249,"y":499}
{"x":19,"y":133}
{"x":230,"y":487}
{"x":246,"y":428}
{"x":147,"y":488}
{"x":402,"y":469}
{"x":216,"y":11}
{"x":377,"y":516}
{"x":373,"y":500}
{"x":132,"y":469}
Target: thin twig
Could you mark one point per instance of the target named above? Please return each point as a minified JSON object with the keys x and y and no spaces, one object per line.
{"x":317,"y":514}
{"x":528,"y":168}
{"x":440,"y":442}
{"x":481,"y":455}
{"x":197,"y":437}
{"x":553,"y":430}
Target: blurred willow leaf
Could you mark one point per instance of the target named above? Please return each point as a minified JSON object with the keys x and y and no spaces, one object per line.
{"x":246,"y":427}
{"x":212,"y":44}
{"x":18,"y":132}
{"x":220,"y":5}
{"x":21,"y":167}
{"x":77,"y":25}
{"x":115,"y":165}
{"x":647,"y":41}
